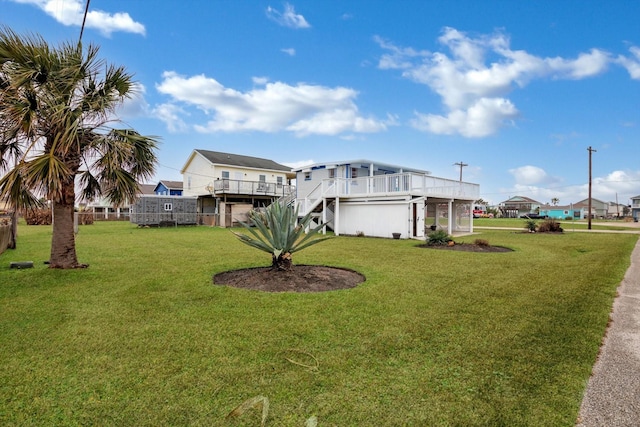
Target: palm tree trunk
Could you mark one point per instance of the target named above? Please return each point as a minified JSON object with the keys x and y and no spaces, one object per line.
{"x":14,"y":229}
{"x":63,"y":246}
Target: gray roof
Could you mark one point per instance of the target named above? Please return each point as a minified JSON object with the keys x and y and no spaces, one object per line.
{"x":219,"y":158}
{"x":171,"y":185}
{"x":147,"y":188}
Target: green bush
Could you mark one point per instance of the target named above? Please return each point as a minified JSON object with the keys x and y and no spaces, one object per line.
{"x":530,"y":225}
{"x":438,"y":237}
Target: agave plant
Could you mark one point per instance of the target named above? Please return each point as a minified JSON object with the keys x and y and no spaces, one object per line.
{"x":277,"y":231}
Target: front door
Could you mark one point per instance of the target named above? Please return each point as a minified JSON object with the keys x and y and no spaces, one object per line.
{"x":417,"y":219}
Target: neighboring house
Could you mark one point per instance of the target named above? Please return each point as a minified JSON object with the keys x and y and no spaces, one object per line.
{"x":168,"y":188}
{"x":635,"y":208}
{"x":563,"y":212}
{"x":103,"y":209}
{"x":518,"y":205}
{"x":599,"y":208}
{"x":617,"y":210}
{"x":229,"y":185}
{"x":362,"y":197}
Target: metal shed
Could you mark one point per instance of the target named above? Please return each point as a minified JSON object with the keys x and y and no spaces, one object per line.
{"x":164,"y":210}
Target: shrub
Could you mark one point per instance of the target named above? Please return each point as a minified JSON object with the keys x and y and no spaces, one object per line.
{"x":278,"y":231}
{"x":438,"y":237}
{"x":530,"y":225}
{"x":481,"y":242}
{"x":550,"y":225}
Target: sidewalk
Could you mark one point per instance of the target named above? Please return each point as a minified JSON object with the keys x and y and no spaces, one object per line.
{"x":612,"y":397}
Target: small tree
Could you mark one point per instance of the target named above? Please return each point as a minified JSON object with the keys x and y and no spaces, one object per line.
{"x":277,"y":231}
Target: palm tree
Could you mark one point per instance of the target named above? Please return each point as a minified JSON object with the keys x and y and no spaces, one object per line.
{"x":55,"y":107}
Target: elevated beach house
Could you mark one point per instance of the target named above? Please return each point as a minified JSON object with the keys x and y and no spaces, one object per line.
{"x":362,"y":197}
{"x":228,"y":185}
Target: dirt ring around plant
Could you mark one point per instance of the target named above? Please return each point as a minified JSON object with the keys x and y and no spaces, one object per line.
{"x":301,"y":278}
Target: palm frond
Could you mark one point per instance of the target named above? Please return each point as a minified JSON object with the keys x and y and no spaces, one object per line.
{"x":15,"y":192}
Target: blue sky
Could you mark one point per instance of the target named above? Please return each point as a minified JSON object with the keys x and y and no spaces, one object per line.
{"x":516,"y":90}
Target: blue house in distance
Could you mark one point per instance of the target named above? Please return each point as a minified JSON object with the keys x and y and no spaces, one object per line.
{"x":563,"y":212}
{"x":168,"y":188}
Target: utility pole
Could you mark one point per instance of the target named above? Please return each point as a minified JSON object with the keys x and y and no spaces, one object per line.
{"x":461,"y":166}
{"x":84,"y":20}
{"x":591,"y":151}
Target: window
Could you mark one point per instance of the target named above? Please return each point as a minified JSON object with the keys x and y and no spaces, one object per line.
{"x":354,"y":173}
{"x":168,"y":207}
{"x":262,"y":186}
{"x":225,"y":174}
{"x":332,"y":173}
{"x":307,"y":176}
{"x":279,"y":181}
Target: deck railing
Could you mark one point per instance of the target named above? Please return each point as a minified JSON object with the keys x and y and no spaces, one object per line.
{"x":409,"y":183}
{"x":389,"y":185}
{"x":253,"y":188}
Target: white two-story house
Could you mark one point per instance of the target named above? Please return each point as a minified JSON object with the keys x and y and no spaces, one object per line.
{"x":229,"y":185}
{"x":362,"y":197}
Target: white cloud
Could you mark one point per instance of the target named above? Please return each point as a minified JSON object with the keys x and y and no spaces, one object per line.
{"x":289,"y":51}
{"x":171,"y":115}
{"x":272,"y":107}
{"x":71,"y":12}
{"x":398,"y":58}
{"x":288,"y":17}
{"x":136,"y":105}
{"x":471,"y":87}
{"x":482,"y":119}
{"x":624,"y":184}
{"x":530,"y":175}
{"x":260,"y":80}
{"x":585,"y":65}
{"x":299,"y":163}
{"x":631,"y":63}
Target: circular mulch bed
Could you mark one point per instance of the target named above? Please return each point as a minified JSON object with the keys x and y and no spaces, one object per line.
{"x":468,"y":247}
{"x":301,"y":278}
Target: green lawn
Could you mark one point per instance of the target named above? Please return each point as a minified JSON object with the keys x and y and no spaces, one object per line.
{"x":432,"y":338}
{"x":567,"y":225}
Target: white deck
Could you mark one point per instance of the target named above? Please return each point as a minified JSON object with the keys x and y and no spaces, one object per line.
{"x":392,"y":186}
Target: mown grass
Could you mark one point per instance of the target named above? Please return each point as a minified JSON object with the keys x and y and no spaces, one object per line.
{"x":436,"y":338}
{"x":567,"y":225}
